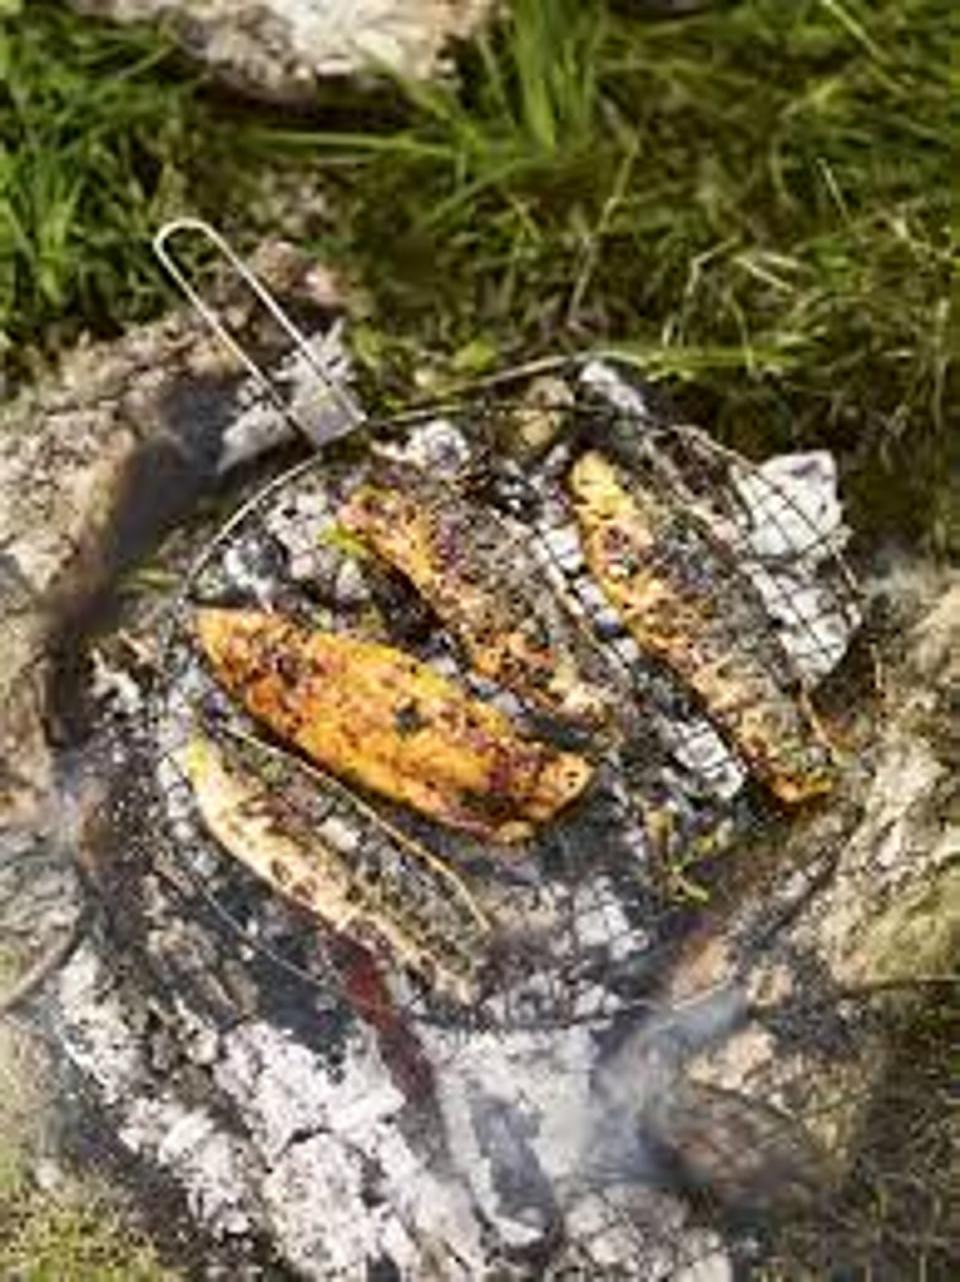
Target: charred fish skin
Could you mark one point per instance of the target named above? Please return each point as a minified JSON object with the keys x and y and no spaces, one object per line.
{"x":337,"y":861}
{"x":379,"y":718}
{"x":689,"y":607}
{"x":475,"y":574}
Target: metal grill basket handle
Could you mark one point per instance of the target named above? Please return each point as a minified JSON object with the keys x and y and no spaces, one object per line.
{"x":350,"y":414}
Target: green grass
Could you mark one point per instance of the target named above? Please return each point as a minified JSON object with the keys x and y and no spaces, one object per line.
{"x":73,"y":1236}
{"x":752,"y":204}
{"x":74,"y":1232}
{"x":101,"y":137}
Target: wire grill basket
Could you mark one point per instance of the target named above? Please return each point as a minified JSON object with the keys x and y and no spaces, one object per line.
{"x":566,"y":928}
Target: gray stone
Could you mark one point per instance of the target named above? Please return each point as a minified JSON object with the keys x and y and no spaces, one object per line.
{"x":832,"y":946}
{"x":279,"y":49}
{"x":94,"y":463}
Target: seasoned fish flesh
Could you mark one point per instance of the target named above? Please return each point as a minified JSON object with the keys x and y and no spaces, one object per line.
{"x":687,"y":606}
{"x":379,"y":718}
{"x":475,"y":573}
{"x":315,"y":845}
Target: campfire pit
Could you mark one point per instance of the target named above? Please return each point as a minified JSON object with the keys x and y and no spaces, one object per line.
{"x":322,"y":1106}
{"x":441,"y":1138}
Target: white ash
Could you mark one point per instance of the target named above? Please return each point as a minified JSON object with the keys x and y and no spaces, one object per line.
{"x":243,"y":565}
{"x":628,"y":650}
{"x":564,"y":546}
{"x":445,"y":663}
{"x":201,"y":1041}
{"x":523,"y":1117}
{"x":795,"y":526}
{"x":97,"y":1037}
{"x":438,"y":446}
{"x":318,"y":1202}
{"x":543,"y":1087}
{"x":815,"y":628}
{"x":322,"y":1136}
{"x":111,"y":684}
{"x":605,"y":925}
{"x":649,"y":1228}
{"x":286,"y":1096}
{"x":699,"y":747}
{"x":300,"y":521}
{"x":505,"y":701}
{"x":350,"y":589}
{"x":802,"y":515}
{"x":600,"y":377}
{"x":314,"y":1139}
{"x":300,"y":516}
{"x":210,"y":1165}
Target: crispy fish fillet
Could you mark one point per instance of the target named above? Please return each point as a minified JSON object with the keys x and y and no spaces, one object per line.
{"x":464,"y":561}
{"x":331,"y":855}
{"x":688,"y":607}
{"x":379,"y":718}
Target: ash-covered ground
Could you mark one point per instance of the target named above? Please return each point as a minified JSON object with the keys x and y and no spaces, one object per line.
{"x":305,"y":1096}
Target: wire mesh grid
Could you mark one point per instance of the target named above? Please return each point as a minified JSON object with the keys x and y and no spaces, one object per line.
{"x":564,"y":928}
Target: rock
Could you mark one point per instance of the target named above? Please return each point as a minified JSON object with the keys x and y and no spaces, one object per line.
{"x":59,"y":483}
{"x":538,"y":419}
{"x":829,"y":951}
{"x":24,"y":1123}
{"x":93,"y":464}
{"x":278,"y":50}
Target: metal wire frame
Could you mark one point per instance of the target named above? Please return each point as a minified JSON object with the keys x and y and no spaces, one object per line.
{"x":681,"y":463}
{"x":308,"y":349}
{"x":219,"y":884}
{"x":566,"y":977}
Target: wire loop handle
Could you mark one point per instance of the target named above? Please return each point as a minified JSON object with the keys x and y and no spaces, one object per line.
{"x":351,"y":415}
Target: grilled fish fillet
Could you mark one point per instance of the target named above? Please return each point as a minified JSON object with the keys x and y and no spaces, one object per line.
{"x":465,"y":562}
{"x":379,"y":718}
{"x":688,"y":607}
{"x":337,"y":860}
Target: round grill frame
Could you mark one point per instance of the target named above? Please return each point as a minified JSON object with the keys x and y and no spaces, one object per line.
{"x":681,"y":457}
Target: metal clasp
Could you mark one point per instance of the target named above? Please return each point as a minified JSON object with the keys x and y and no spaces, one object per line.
{"x":317,"y":355}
